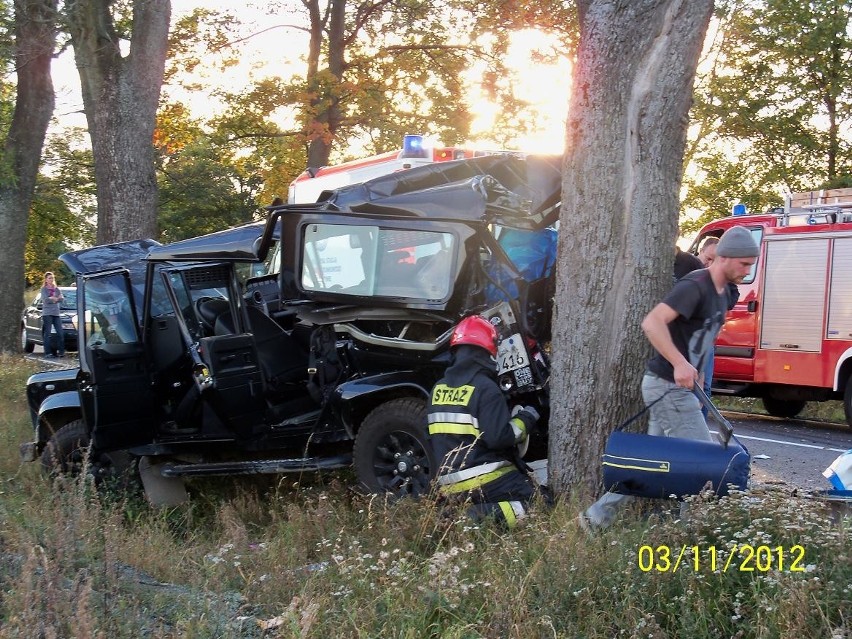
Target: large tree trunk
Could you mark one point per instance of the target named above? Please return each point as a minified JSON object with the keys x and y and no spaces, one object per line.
{"x":120,"y":97}
{"x":35,"y":38}
{"x":626,"y":133}
{"x":325,"y":105}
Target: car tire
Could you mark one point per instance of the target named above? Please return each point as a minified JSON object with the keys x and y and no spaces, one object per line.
{"x":26,"y":344}
{"x":847,"y":402}
{"x":68,"y":453}
{"x":392,"y":452}
{"x":783,"y":407}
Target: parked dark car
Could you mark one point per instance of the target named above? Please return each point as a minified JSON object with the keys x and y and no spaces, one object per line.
{"x":193,"y":365}
{"x":31,"y":333}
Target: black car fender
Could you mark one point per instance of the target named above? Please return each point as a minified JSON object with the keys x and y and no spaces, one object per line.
{"x":56,"y":411}
{"x":353,"y":400}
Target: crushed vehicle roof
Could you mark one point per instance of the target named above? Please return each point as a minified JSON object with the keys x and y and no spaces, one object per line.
{"x":235,"y":244}
{"x":514,"y":188}
{"x":108,"y":256}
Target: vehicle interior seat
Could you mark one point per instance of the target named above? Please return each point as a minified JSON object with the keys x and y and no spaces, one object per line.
{"x":208,"y":310}
{"x":283,"y":358}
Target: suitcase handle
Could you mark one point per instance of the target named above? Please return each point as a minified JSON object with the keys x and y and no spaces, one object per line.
{"x":725,"y":428}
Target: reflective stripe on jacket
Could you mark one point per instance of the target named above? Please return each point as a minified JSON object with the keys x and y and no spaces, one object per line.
{"x":471,"y":431}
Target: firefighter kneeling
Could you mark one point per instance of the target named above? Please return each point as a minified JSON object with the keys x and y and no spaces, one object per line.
{"x":472,"y":431}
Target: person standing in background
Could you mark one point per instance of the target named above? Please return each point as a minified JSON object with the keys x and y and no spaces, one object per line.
{"x":684,"y":263}
{"x":707,"y":252}
{"x":51,"y":296}
{"x":707,"y":255}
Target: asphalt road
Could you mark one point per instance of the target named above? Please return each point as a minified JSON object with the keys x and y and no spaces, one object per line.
{"x":790,"y":452}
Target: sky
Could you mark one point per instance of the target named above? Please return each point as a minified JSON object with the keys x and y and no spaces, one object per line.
{"x":261,"y":54}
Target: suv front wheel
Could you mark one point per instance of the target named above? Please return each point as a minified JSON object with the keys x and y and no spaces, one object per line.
{"x":68,"y":453}
{"x":391,"y":453}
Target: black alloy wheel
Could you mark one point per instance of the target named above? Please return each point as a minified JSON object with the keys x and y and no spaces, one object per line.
{"x":392,"y":453}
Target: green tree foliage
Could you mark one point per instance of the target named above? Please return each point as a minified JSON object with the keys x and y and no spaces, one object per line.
{"x":373,"y":67}
{"x":773,"y":106}
{"x":202,"y":190}
{"x":493,"y":25}
{"x":64,"y":208}
{"x":374,"y":71}
{"x":249,"y":128}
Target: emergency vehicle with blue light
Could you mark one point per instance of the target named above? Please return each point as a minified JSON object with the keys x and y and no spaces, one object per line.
{"x":311,"y":185}
{"x":788,"y":339}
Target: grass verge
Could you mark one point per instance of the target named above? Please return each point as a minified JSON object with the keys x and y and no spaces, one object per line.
{"x":308,"y":557}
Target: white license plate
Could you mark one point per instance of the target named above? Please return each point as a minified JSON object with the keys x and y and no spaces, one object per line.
{"x":511,"y":354}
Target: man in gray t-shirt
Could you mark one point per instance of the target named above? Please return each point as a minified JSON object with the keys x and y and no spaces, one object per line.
{"x":682,"y":329}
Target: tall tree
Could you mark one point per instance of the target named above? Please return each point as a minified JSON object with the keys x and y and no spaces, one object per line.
{"x":390,"y":60}
{"x":626,"y":133}
{"x":775,"y":107}
{"x":120,"y":98}
{"x":35,"y":38}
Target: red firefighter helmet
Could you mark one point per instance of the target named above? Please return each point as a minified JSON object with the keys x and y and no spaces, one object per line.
{"x":476,"y":331}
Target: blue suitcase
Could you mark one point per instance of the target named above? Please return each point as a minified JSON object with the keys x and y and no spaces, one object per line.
{"x":652,"y":466}
{"x":656,"y":466}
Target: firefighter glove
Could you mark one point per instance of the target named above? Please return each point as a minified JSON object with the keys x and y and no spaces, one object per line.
{"x":531,"y":414}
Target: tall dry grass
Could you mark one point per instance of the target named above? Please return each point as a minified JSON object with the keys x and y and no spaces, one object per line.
{"x":308,"y":557}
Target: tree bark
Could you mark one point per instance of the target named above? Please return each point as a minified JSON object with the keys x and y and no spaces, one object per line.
{"x":325,"y":105}
{"x":35,"y":39}
{"x":120,"y":98}
{"x":626,"y":135}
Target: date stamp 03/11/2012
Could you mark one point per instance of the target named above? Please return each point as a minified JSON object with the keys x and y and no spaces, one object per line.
{"x":737,"y":558}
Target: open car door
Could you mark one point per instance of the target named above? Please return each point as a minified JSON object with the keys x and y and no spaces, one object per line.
{"x":115,"y":391}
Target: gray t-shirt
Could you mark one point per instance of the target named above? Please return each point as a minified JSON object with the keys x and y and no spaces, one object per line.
{"x":701,"y":313}
{"x":48,"y":307}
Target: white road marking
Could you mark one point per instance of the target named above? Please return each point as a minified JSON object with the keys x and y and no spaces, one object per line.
{"x":780,"y":441}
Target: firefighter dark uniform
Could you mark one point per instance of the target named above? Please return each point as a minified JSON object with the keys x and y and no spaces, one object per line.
{"x":473,"y":433}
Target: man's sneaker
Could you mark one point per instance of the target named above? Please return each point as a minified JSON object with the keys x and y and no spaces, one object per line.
{"x":50,"y":356}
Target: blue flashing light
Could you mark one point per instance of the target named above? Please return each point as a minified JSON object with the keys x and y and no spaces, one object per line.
{"x":739,"y":209}
{"x":413,"y":147}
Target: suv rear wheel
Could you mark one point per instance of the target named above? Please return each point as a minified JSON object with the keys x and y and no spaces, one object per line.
{"x":392,"y":454}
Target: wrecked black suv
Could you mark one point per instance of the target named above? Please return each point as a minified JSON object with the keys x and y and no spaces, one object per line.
{"x":307,"y":342}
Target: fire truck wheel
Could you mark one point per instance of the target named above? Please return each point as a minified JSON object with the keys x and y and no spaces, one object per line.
{"x":783,"y":407}
{"x":391,"y":452}
{"x":847,"y":402}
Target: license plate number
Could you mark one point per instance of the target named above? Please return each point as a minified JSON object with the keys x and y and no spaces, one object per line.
{"x":511,"y":354}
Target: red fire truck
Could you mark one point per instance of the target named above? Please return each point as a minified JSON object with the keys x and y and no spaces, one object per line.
{"x":310,"y":185}
{"x":788,"y":340}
